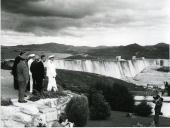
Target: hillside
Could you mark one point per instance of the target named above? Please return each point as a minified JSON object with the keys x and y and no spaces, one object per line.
{"x":12,"y":51}
{"x":160,"y":50}
{"x":81,"y":82}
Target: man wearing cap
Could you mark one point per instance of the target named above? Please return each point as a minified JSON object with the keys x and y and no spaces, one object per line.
{"x":22,"y":77}
{"x":37,"y":69}
{"x":14,"y":69}
{"x":51,"y":74}
{"x":31,"y":58}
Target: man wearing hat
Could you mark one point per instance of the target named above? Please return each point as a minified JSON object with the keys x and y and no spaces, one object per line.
{"x":31,"y":58}
{"x":22,"y":77}
{"x":14,"y":69}
{"x":51,"y":74}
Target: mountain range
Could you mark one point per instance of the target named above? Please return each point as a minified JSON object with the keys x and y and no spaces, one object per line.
{"x":159,"y":51}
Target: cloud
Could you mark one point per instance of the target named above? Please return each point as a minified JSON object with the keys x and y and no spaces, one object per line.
{"x":83,"y":19}
{"x":39,"y":26}
{"x":45,"y":26}
{"x":59,"y":8}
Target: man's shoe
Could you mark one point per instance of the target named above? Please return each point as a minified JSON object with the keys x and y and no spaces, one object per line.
{"x":24,"y":101}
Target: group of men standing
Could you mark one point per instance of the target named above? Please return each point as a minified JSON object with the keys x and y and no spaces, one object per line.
{"x":30,"y":71}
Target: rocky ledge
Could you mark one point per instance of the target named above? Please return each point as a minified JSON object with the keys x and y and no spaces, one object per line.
{"x":44,"y":112}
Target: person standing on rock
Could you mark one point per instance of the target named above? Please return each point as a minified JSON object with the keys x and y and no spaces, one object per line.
{"x":31,"y":58}
{"x":51,"y":74}
{"x":22,"y":77}
{"x":14,"y":69}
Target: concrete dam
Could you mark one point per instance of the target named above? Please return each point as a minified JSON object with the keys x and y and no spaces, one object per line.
{"x":121,"y":69}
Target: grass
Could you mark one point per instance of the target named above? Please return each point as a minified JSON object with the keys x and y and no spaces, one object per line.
{"x":119,"y":119}
{"x":82,"y":81}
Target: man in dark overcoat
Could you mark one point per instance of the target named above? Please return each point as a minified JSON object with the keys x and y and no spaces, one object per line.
{"x":14,"y":69}
{"x":22,"y":77}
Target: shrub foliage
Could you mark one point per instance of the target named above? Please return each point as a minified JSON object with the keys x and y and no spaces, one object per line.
{"x":77,"y":110}
{"x":143,"y":109}
{"x":99,"y":108}
{"x":121,"y":98}
{"x":118,"y":96}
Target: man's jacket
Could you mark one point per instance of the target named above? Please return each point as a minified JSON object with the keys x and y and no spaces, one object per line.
{"x":22,"y":71}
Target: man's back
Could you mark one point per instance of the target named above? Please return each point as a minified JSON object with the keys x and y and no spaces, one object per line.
{"x":22,"y":71}
{"x":33,"y":67}
{"x":41,"y":69}
{"x":37,"y":69}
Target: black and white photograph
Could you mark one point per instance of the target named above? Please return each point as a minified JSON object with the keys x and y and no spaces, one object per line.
{"x":85,"y":63}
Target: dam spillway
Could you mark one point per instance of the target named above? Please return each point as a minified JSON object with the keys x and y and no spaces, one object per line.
{"x":117,"y":69}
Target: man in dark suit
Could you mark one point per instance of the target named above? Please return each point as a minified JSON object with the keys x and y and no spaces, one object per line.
{"x":14,"y":69}
{"x":22,"y":77}
{"x":38,"y":73}
{"x":45,"y":80}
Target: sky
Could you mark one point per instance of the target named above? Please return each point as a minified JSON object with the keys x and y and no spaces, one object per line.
{"x":85,"y":22}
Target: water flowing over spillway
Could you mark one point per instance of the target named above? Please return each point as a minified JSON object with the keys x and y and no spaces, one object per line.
{"x":112,"y":68}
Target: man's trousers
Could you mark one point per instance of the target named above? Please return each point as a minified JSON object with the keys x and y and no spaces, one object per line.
{"x":22,"y":88}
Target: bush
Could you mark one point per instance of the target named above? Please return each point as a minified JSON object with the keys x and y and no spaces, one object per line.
{"x":143,"y":109}
{"x":77,"y":110}
{"x":99,"y":109}
{"x":7,"y":65}
{"x":119,"y":98}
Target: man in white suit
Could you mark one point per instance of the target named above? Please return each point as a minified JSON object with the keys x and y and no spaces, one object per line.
{"x":51,"y":74}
